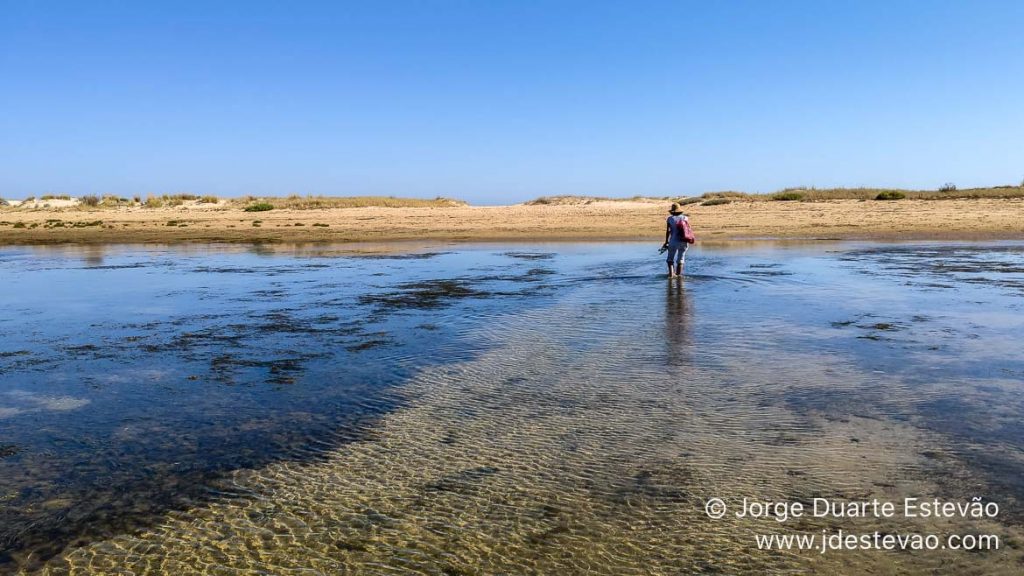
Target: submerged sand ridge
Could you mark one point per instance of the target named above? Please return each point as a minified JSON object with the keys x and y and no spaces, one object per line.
{"x":981,"y":218}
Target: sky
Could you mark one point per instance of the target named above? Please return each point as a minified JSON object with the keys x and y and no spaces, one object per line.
{"x":494,"y":101}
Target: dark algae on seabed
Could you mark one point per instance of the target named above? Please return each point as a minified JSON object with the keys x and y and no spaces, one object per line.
{"x":135,"y":381}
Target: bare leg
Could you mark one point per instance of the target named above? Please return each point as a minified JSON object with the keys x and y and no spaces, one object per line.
{"x":679,"y":269}
{"x":670,"y":274}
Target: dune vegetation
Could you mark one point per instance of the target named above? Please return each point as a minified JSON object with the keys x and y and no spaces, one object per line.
{"x":293,"y":202}
{"x":806,"y":194}
{"x":297,"y":202}
{"x":310,"y":202}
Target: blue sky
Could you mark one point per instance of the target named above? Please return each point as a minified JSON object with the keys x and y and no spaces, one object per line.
{"x":494,"y":101}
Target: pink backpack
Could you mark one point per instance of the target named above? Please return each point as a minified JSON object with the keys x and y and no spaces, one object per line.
{"x":683,"y":225}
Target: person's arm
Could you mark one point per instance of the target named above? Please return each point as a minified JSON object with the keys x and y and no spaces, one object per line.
{"x":668,"y":233}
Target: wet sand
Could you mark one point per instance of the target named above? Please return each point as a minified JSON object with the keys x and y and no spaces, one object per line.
{"x":604,"y":220}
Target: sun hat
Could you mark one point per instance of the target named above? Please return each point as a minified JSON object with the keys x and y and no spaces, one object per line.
{"x":675,"y":209}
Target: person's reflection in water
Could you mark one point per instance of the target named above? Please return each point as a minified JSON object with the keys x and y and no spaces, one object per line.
{"x":678,"y":324}
{"x":93,"y":255}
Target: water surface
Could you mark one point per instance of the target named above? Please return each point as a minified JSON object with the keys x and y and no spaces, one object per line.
{"x":546,"y":408}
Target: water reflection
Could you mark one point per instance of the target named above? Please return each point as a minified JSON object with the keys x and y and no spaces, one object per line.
{"x":678,"y":323}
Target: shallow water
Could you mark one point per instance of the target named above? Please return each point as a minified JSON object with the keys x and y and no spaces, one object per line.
{"x":557,"y":408}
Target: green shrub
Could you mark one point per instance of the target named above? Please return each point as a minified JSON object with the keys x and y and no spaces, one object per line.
{"x":91,"y":200}
{"x":19,"y":224}
{"x":716,"y":202}
{"x":259,"y":207}
{"x":787,"y":196}
{"x":947,"y":187}
{"x":687,"y":201}
{"x":111,"y":200}
{"x":724,"y":194}
{"x":178,"y":199}
{"x":890,"y":195}
{"x":209,"y":200}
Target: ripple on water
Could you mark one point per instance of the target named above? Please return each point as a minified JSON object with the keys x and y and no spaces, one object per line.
{"x":555,"y":452}
{"x":582,"y":434}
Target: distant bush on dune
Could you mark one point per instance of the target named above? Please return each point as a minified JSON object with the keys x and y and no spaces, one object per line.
{"x":297,"y":202}
{"x":567,"y":200}
{"x":575,"y":200}
{"x":890,"y":195}
{"x":716,"y":202}
{"x":178,"y":199}
{"x":725,"y":194}
{"x":787,"y":196}
{"x":112,"y":201}
{"x":948,"y":193}
{"x":802,"y":194}
{"x":259,"y":207}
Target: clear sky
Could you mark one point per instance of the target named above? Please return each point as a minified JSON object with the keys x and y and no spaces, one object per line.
{"x":493,"y":101}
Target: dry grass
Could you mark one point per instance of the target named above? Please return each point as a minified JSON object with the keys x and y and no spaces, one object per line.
{"x":168,"y":200}
{"x":111,"y":201}
{"x":812,"y":194}
{"x":730,"y":194}
{"x":716,"y":202}
{"x":570,"y":200}
{"x":806,"y":194}
{"x":296,"y":202}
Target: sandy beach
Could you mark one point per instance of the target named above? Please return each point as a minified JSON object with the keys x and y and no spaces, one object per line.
{"x":597,"y":220}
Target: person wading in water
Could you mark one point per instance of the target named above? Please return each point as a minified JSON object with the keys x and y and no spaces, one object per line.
{"x":678,"y":237}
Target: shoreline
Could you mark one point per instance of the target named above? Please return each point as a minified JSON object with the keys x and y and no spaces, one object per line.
{"x":959,"y":220}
